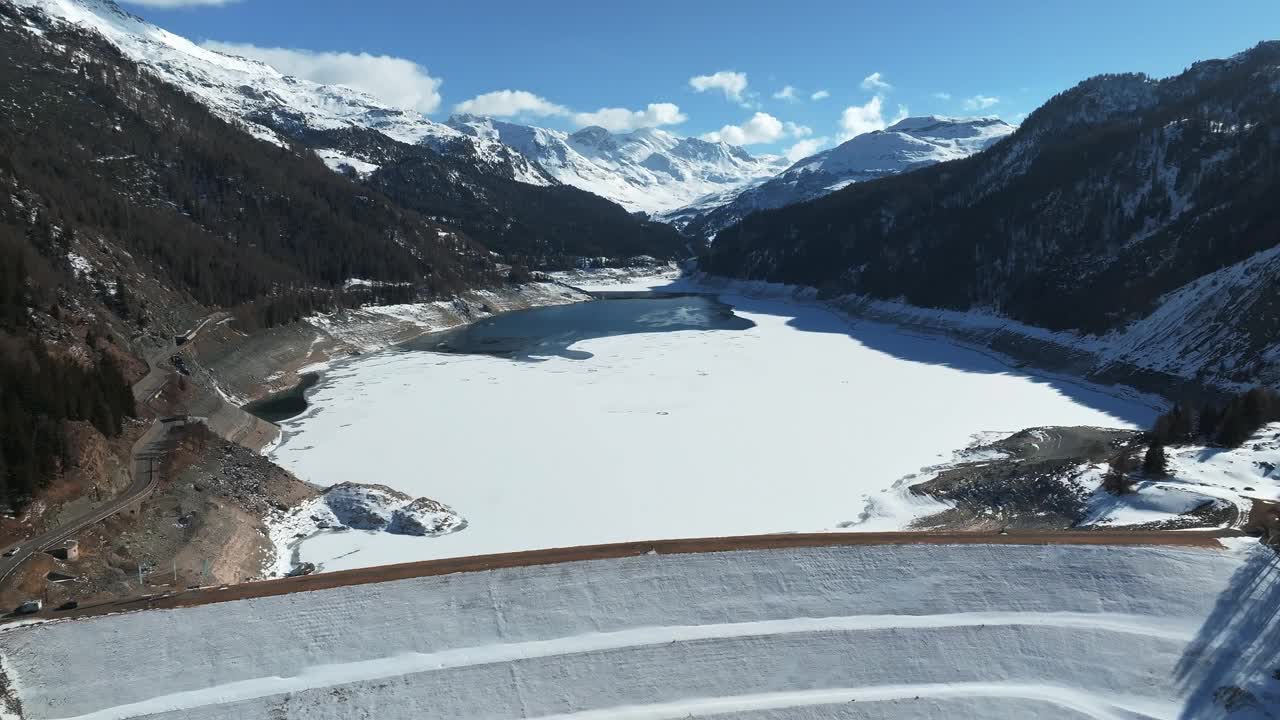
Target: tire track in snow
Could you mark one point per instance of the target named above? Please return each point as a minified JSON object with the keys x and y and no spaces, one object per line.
{"x":331,"y":675}
{"x":1085,"y":702}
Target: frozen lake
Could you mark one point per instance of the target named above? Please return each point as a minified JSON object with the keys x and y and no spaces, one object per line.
{"x":780,"y":417}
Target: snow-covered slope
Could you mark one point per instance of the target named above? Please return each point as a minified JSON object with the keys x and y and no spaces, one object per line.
{"x":646,"y":170}
{"x":265,"y":100}
{"x":912,"y":631}
{"x":911,"y":143}
{"x":907,"y":144}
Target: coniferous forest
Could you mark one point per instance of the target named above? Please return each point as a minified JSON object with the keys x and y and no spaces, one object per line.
{"x":94,"y":150}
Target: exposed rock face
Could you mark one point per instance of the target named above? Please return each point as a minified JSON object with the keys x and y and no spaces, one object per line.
{"x":425,"y":516}
{"x":364,"y":507}
{"x":378,"y":507}
{"x":354,"y":506}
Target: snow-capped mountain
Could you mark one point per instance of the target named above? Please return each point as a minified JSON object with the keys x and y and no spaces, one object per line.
{"x":269,"y":103}
{"x":647,"y":170}
{"x":909,"y":144}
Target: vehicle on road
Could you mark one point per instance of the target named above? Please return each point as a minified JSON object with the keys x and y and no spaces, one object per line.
{"x":29,"y":607}
{"x":12,"y":551}
{"x":69,"y":605}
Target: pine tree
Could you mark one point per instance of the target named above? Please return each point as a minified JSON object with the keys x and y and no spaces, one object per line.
{"x":1208,"y":422}
{"x":1183,"y":424}
{"x":1117,"y":481}
{"x":1155,"y":464}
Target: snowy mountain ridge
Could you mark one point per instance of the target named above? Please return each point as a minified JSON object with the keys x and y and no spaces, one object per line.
{"x":648,"y":170}
{"x":262,"y":99}
{"x":906,"y":145}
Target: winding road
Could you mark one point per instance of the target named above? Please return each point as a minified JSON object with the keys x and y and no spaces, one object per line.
{"x":145,"y":457}
{"x":147,"y":451}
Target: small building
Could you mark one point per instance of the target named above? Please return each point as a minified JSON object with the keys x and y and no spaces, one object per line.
{"x":69,"y":551}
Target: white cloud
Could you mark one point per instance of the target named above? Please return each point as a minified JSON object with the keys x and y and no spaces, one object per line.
{"x":507,"y":103}
{"x":397,"y":81}
{"x":980,"y":102}
{"x":942,"y":95}
{"x":820,"y":95}
{"x":761,"y":128}
{"x":732,"y":84}
{"x":798,"y":131}
{"x":875,"y":81}
{"x":179,"y":3}
{"x":787,"y":93}
{"x":623,"y":120}
{"x":805,"y":148}
{"x":860,"y":119}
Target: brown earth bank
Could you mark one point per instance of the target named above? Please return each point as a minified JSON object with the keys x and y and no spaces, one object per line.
{"x":251,"y":366}
{"x":1029,"y":487}
{"x":97,"y":470}
{"x":206,"y":520}
{"x":204,"y":523}
{"x":176,"y":597}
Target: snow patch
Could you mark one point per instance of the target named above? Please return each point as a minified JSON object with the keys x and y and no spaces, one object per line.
{"x":341,"y":163}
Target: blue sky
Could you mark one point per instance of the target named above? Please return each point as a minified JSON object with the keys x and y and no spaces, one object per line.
{"x":565,"y":62}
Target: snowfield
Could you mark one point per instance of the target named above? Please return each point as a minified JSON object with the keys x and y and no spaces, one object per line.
{"x":801,"y":423}
{"x":1196,"y":475}
{"x":907,"y":631}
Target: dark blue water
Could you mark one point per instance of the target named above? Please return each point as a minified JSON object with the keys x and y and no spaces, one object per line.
{"x":550,"y":331}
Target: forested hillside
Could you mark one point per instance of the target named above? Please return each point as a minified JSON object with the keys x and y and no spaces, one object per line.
{"x":1112,"y":194}
{"x":97,"y":155}
{"x":223,"y":216}
{"x":40,"y":389}
{"x":541,"y":226}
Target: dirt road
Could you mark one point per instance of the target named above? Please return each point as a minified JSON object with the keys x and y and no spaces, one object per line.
{"x":387,"y":573}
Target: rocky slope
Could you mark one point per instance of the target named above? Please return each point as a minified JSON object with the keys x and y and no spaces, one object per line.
{"x":1136,"y":214}
{"x":908,"y":144}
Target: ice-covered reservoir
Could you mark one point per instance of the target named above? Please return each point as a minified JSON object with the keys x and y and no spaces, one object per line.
{"x":802,"y":422}
{"x":910,"y":631}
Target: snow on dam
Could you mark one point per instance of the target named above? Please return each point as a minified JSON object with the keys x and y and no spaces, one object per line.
{"x":901,"y":631}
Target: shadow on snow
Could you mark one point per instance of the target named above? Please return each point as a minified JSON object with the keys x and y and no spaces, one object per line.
{"x":1233,"y":665}
{"x":928,"y":349}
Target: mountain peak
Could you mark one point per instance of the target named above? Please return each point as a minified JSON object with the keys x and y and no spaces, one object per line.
{"x":594,"y":136}
{"x":931,"y":124}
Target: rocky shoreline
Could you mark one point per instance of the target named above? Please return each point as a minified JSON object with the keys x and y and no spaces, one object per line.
{"x":238,"y":369}
{"x":216,"y":514}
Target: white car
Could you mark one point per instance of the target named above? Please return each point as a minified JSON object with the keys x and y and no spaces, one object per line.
{"x":12,"y":551}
